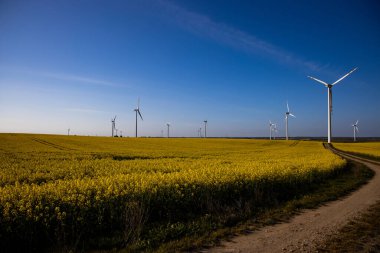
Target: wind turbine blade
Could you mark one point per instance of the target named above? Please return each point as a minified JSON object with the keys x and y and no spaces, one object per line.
{"x":319,"y":81}
{"x":357,"y":122}
{"x":340,"y":79}
{"x":140,"y":114}
{"x":287,"y":106}
{"x":292,"y":115}
{"x":357,"y":129}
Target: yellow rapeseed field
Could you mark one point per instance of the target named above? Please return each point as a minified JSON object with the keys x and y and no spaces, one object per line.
{"x":370,"y":149}
{"x":63,"y":188}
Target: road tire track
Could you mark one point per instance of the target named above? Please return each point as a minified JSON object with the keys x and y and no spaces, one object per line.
{"x":53,"y":145}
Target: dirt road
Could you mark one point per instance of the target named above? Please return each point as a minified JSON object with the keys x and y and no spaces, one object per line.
{"x":309,"y":229}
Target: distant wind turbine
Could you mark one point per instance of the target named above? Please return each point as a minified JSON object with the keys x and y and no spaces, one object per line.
{"x":329,"y":99}
{"x":356,"y":129}
{"x":205,"y":121}
{"x":68,"y":131}
{"x":137,"y":110}
{"x":113,"y":125}
{"x":270,"y":129}
{"x":287,"y":114}
{"x":168,"y":125}
{"x":275,"y":131}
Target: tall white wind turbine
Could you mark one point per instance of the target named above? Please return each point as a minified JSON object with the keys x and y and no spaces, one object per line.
{"x":137,"y":110}
{"x":329,"y":100}
{"x":287,"y":114}
{"x":356,"y":129}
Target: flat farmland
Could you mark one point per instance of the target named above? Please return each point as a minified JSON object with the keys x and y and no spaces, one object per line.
{"x":65,"y":191}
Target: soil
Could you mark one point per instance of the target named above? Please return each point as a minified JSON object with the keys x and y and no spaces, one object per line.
{"x":308,"y":231}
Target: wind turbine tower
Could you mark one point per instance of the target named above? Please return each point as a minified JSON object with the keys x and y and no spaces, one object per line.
{"x":205,"y":121}
{"x":287,"y":114}
{"x":329,"y":99}
{"x":270,"y":129}
{"x":275,"y":131}
{"x":168,"y":125}
{"x":113,"y":125}
{"x":137,"y":110}
{"x":68,"y":132}
{"x":356,"y":129}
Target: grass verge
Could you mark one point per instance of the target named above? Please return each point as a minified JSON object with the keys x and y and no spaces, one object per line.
{"x":362,"y":155}
{"x":361,"y":234}
{"x":209,"y":230}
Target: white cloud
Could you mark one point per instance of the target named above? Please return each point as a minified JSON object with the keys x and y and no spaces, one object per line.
{"x":204,"y":26}
{"x":84,"y":80}
{"x":81,"y":79}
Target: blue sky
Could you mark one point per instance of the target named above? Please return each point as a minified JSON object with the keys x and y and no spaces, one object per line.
{"x":76,"y":64}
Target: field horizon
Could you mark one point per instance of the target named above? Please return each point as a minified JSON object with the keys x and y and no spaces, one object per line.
{"x":304,"y":138}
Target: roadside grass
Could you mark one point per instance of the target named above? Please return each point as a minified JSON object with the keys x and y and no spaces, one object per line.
{"x":361,"y":234}
{"x":209,"y":230}
{"x":359,"y":154}
{"x":365,"y":156}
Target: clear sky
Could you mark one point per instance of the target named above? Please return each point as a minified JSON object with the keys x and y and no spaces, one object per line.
{"x":75,"y":64}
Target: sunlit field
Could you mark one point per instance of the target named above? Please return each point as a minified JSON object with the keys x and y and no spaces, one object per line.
{"x":368,"y":149}
{"x":62,"y":190}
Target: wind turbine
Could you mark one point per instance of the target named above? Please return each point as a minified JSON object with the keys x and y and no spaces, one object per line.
{"x":270,"y":129}
{"x":68,"y":131}
{"x":113,"y":124}
{"x":205,"y":121}
{"x":329,"y":99}
{"x":356,"y":129}
{"x":137,"y":110}
{"x":287,"y":114}
{"x":168,"y":125}
{"x":275,"y":131}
